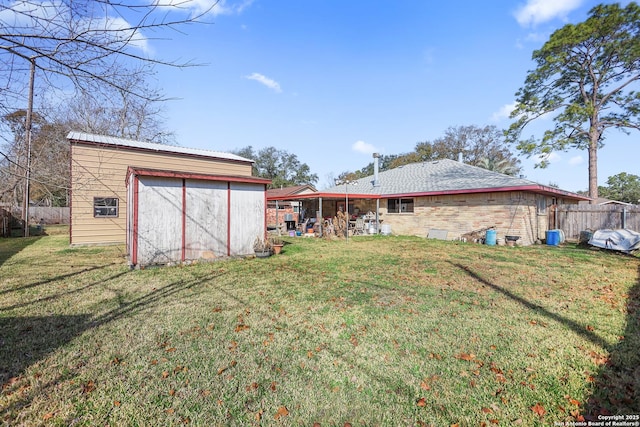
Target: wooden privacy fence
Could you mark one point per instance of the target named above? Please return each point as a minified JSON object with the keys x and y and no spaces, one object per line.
{"x":572,"y":219}
{"x":50,"y":215}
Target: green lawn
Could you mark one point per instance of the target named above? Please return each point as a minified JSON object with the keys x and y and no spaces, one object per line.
{"x":379,"y":330}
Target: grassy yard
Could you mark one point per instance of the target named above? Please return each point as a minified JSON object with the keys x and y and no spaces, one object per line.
{"x":385,"y":331}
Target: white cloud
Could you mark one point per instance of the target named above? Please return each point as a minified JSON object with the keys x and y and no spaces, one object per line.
{"x":270,"y":83}
{"x":538,"y":11}
{"x":503,"y":112}
{"x":363,"y":147}
{"x":213,"y":7}
{"x":550,"y":157}
{"x":576,"y":160}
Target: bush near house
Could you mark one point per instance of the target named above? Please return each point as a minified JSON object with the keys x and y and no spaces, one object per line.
{"x":373,"y":331}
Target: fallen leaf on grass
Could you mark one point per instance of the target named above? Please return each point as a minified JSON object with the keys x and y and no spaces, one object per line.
{"x":487,"y":410}
{"x":116,"y":403}
{"x":170,"y":350}
{"x":170,"y":411}
{"x":231,"y":365}
{"x":421,"y":402}
{"x":282,"y":412}
{"x":241,"y":327}
{"x":47,"y":416}
{"x":572,"y":400}
{"x":538,"y":409}
{"x":88,"y":387}
{"x":466,"y":356}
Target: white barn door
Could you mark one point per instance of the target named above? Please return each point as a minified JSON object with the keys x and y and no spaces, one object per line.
{"x":159,"y":220}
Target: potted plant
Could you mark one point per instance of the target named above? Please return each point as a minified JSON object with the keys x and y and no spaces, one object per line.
{"x":276,"y":243}
{"x":262,"y":247}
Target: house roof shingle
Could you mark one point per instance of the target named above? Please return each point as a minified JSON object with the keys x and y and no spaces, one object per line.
{"x":441,"y":176}
{"x":290,"y":191}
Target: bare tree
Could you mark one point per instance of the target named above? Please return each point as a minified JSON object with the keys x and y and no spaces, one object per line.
{"x":87,"y":46}
{"x":84,"y":42}
{"x":117,"y":112}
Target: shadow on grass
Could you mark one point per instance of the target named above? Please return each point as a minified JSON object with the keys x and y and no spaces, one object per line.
{"x":617,"y":385}
{"x":26,"y":340}
{"x":11,"y":246}
{"x":49,"y":281}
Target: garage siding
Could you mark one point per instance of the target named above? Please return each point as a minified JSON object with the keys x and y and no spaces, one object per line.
{"x":159,"y":220}
{"x":175,"y":220}
{"x":206,"y":219}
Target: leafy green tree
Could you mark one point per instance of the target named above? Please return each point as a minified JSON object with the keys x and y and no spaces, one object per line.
{"x":281,"y":167}
{"x":587,"y":76}
{"x":623,"y":187}
{"x":480,"y":146}
{"x":503,"y":166}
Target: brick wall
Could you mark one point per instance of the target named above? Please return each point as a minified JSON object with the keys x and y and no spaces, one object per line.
{"x":511,"y":213}
{"x":282,"y":211}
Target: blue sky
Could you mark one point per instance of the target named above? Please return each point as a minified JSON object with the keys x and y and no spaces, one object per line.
{"x":334,"y":81}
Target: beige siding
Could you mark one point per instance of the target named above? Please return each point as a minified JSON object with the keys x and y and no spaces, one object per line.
{"x":101,"y":172}
{"x":512,"y":213}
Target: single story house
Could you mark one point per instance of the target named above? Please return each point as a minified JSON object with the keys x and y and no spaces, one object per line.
{"x":451,"y":197}
{"x":168,"y":204}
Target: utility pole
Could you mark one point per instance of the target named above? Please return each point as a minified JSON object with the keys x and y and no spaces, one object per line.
{"x":27,"y":173}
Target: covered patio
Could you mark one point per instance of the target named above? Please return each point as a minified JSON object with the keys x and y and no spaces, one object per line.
{"x":332,"y":213}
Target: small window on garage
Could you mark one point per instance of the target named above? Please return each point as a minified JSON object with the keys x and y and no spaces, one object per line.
{"x":105,"y":207}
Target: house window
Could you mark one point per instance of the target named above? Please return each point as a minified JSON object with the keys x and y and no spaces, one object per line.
{"x":400,"y":205}
{"x":105,"y":207}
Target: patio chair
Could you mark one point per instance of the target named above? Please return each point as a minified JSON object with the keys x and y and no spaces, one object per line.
{"x":359,"y":228}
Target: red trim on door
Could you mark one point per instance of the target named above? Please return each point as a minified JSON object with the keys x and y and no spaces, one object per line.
{"x":134,"y":243}
{"x":184,"y":219}
{"x":228,"y":218}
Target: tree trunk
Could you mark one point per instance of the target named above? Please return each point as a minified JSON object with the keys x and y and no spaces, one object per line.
{"x":594,"y":137}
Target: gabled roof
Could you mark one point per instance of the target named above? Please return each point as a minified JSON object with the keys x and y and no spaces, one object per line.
{"x":439,"y":177}
{"x":291,"y":191}
{"x":104,"y":140}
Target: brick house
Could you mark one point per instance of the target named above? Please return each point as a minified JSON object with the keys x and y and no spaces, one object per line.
{"x":446,"y":195}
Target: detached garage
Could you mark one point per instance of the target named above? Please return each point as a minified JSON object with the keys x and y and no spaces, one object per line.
{"x":168,"y":204}
{"x":177,"y":217}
